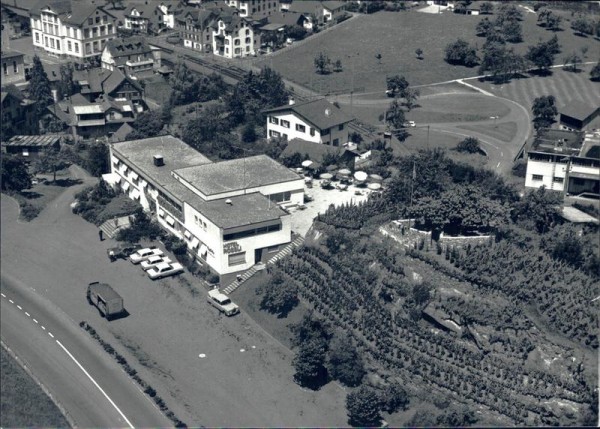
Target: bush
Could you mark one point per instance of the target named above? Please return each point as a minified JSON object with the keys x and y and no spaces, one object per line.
{"x":280,"y":297}
{"x":29,"y":211}
{"x":469,"y":145}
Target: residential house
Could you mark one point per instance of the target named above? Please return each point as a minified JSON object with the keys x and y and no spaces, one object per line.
{"x":565,"y":161}
{"x":151,"y":16}
{"x":31,"y":146}
{"x":13,"y":67}
{"x":228,"y":213}
{"x":320,"y":154}
{"x":72,"y":29}
{"x":194,"y":25}
{"x":233,"y":36}
{"x":17,"y":113}
{"x":101,"y":83}
{"x":309,"y":8}
{"x":255,"y":8}
{"x":577,"y":116}
{"x":289,"y":19}
{"x":133,"y":56}
{"x":333,"y":9}
{"x":317,"y":121}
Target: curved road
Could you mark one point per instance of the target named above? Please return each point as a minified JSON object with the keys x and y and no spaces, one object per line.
{"x":81,"y":377}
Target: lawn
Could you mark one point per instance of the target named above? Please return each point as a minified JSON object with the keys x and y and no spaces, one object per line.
{"x":396,"y":36}
{"x":505,"y":131}
{"x":564,"y":85}
{"x":158,"y":89}
{"x":22,"y":402}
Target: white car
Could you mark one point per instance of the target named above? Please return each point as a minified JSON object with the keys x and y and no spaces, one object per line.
{"x":410,"y":124}
{"x":143,"y":254}
{"x":222,"y":302}
{"x":154,"y":260}
{"x":164,"y":269}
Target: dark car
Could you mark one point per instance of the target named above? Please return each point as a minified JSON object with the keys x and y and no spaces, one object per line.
{"x":122,"y":251}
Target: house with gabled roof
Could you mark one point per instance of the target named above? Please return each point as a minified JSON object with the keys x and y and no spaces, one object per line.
{"x":133,"y":56}
{"x":317,"y":121}
{"x":99,"y":82}
{"x":578,"y":115}
{"x":71,"y":29}
{"x":17,"y":113}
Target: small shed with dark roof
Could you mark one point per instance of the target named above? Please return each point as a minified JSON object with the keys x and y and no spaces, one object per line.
{"x":31,"y":146}
{"x":576,"y":115}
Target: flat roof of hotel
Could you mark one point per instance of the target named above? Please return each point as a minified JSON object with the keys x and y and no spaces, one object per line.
{"x":176,"y":154}
{"x":237,"y":174}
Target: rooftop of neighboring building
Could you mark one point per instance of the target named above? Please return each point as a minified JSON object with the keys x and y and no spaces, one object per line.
{"x":176,"y":155}
{"x":244,"y":209}
{"x":236,"y":174}
{"x":69,"y":11}
{"x":134,"y":45}
{"x":558,"y":142}
{"x":9,"y":53}
{"x":321,"y":113}
{"x":33,"y":140}
{"x":101,"y":80}
{"x":307,"y":6}
{"x":578,"y":109}
{"x":285,"y":18}
{"x":333,"y":5}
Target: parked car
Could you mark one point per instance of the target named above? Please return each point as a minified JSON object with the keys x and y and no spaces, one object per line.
{"x":143,"y":254}
{"x":153,"y":261}
{"x":164,"y":269}
{"x":122,"y":251}
{"x":108,"y":302}
{"x":222,"y":302}
{"x":408,"y":124}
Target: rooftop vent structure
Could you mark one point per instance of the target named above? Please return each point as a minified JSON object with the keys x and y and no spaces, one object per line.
{"x":159,"y":161}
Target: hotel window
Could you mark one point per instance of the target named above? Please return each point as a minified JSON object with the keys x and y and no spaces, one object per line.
{"x":273,"y":120}
{"x":237,"y":258}
{"x":273,"y":133}
{"x":97,"y":19}
{"x":558,"y":180}
{"x":86,"y":33}
{"x":300,"y":128}
{"x":105,"y":19}
{"x":77,"y":47}
{"x":52,"y":43}
{"x":537,"y":177}
{"x":58,"y":44}
{"x":90,"y":21}
{"x":37,"y":37}
{"x":285,"y":124}
{"x":69,"y":46}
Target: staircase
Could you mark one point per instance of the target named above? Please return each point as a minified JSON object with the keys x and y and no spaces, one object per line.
{"x":111,"y":226}
{"x":297,"y":242}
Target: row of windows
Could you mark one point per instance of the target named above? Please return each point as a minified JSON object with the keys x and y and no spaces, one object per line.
{"x":98,"y":31}
{"x":252,"y":232}
{"x":97,"y":20}
{"x":299,"y":127}
{"x":540,"y":177}
{"x":15,"y":67}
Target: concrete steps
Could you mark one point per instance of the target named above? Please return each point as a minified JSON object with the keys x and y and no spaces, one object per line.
{"x":287,"y":250}
{"x":111,"y":226}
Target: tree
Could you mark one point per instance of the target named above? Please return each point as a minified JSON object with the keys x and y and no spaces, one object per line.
{"x":49,"y":161}
{"x":363,"y":407}
{"x":205,"y":128}
{"x":279,"y":297}
{"x":541,"y":55}
{"x":595,"y":72}
{"x":148,"y":124}
{"x":537,"y":209}
{"x":309,"y":363}
{"x":39,"y":87}
{"x":249,"y":133}
{"x":508,"y":12}
{"x":553,"y":45}
{"x":67,"y":86}
{"x":571,"y":62}
{"x":394,"y":397}
{"x":337,"y":66}
{"x":421,"y":294}
{"x":582,"y":26}
{"x":98,"y":159}
{"x":457,"y":416}
{"x":484,"y":27}
{"x":419,"y":53}
{"x":345,"y":364}
{"x":486,"y":8}
{"x":512,"y":31}
{"x":396,"y":84}
{"x":395,"y":119}
{"x":15,"y":173}
{"x":553,"y":22}
{"x":544,"y":111}
{"x":469,"y":145}
{"x":461,"y":53}
{"x":209,"y":87}
{"x":322,"y":63}
{"x":182,"y":82}
{"x":294,"y":32}
{"x":410,"y":98}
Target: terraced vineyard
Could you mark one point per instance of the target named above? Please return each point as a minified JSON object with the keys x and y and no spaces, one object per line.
{"x":497,"y":360}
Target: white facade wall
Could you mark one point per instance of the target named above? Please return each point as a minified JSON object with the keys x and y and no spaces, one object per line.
{"x":107,"y":60}
{"x":237,"y":44}
{"x":548,"y":171}
{"x":292,"y":132}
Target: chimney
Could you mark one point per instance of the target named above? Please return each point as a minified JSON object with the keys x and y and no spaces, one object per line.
{"x":292,"y":101}
{"x":159,"y":160}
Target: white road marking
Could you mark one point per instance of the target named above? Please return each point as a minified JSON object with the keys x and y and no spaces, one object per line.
{"x":28,"y":315}
{"x":11,"y":301}
{"x":96,"y":384}
{"x":3,"y":296}
{"x":50,"y":333}
{"x":19,"y":307}
{"x":35,"y":321}
{"x":43,"y":327}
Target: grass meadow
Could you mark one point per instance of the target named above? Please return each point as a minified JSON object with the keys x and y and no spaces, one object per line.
{"x":22,"y":401}
{"x":396,"y":36}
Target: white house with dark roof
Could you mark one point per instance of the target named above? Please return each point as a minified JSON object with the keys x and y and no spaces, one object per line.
{"x":132,"y":55}
{"x":317,"y":121}
{"x":66,"y":28}
{"x":229,"y":213}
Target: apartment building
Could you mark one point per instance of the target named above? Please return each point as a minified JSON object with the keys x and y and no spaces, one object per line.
{"x":228,"y":213}
{"x":316,"y":121}
{"x":257,"y":9}
{"x":133,"y":56}
{"x":72,"y":29}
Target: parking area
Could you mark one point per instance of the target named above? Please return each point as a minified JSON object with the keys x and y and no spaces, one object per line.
{"x":321,"y":199}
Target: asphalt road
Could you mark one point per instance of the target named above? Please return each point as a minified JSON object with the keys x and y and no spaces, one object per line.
{"x":80,"y":376}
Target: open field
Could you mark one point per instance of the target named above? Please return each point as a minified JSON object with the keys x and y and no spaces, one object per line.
{"x":565,"y":86}
{"x":505,"y":131}
{"x":22,"y":402}
{"x":396,"y":36}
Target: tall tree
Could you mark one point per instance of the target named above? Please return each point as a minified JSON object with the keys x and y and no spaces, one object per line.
{"x":363,"y":407}
{"x":147,"y":124}
{"x":98,"y":160}
{"x":322,"y":63}
{"x":182,"y":82}
{"x":542,"y":55}
{"x":15,"y":173}
{"x":396,"y":84}
{"x":537,"y":209}
{"x":345,"y":364}
{"x":544,"y":111}
{"x":582,"y":26}
{"x":484,"y":27}
{"x":39,"y":87}
{"x":512,"y":31}
{"x":394,"y":117}
{"x":67,"y":85}
{"x":49,"y":161}
{"x":572,"y":61}
{"x":410,"y":98}
{"x":461,"y":53}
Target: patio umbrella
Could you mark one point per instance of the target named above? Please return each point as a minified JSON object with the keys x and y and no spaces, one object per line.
{"x":326,"y":176}
{"x":374,"y":186}
{"x":307,"y":163}
{"x":361,"y":176}
{"x":344,"y":172}
{"x":376,"y":177}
